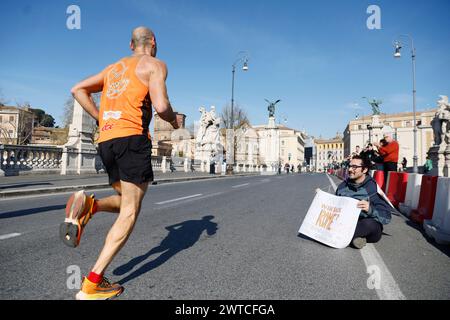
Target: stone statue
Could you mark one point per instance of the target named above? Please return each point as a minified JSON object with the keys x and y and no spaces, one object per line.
{"x":202,"y":130}
{"x":212,"y":130}
{"x":209,"y":127}
{"x":271,"y":107}
{"x":375,"y":104}
{"x":440,"y":122}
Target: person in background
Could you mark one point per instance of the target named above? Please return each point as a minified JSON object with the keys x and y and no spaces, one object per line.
{"x":428,"y":166}
{"x":357,"y":151}
{"x":404,"y":163}
{"x":369,"y":153}
{"x":389,"y":152}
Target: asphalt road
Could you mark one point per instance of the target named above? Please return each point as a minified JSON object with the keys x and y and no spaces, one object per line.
{"x":234,"y":238}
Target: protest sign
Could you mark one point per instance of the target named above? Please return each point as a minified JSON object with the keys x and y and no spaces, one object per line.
{"x":331,"y":219}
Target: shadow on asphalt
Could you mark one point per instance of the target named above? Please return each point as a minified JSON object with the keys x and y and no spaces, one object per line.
{"x":443,"y":248}
{"x":27,"y":212}
{"x":23,"y":185}
{"x":181,"y":236}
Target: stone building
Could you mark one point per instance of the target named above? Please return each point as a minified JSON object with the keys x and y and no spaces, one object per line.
{"x":328,"y":152}
{"x":162,"y":135}
{"x":16,"y":125}
{"x":371,"y":128}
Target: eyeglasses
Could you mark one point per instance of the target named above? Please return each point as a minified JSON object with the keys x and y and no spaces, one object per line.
{"x":354,"y":167}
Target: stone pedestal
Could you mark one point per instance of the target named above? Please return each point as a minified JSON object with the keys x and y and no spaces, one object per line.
{"x":164,"y":164}
{"x":79,"y":152}
{"x":440,"y":157}
{"x":272,"y":144}
{"x":375,"y":129}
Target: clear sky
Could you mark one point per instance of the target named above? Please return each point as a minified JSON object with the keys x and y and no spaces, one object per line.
{"x":318,"y":57}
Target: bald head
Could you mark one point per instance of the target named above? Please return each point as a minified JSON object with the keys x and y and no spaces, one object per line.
{"x":143,"y":38}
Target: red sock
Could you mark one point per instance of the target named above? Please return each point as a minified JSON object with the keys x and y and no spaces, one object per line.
{"x":94,"y":207}
{"x":95,"y":278}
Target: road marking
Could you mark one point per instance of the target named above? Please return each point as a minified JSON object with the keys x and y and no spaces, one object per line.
{"x":178,"y":199}
{"x":10,"y":235}
{"x":174,"y":205}
{"x":241,"y":185}
{"x":388,"y":289}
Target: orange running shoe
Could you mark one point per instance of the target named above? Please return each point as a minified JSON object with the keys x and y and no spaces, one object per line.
{"x":98,"y":291}
{"x":78,"y":213}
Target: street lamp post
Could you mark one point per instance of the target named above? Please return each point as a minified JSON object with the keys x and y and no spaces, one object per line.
{"x":242,"y":57}
{"x":397,"y":54}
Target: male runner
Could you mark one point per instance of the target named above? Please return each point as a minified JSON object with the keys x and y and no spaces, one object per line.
{"x":129,"y":88}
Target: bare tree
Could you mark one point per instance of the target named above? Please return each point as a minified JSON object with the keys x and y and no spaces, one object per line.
{"x":240,"y":123}
{"x":239,"y":117}
{"x":68,"y":114}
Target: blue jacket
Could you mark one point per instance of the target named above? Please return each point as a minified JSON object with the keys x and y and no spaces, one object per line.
{"x":379,"y":209}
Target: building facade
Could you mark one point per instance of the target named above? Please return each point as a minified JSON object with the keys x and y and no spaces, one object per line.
{"x":16,"y":125}
{"x":291,"y":145}
{"x":329,"y":152}
{"x":401,"y":125}
{"x":162,"y":135}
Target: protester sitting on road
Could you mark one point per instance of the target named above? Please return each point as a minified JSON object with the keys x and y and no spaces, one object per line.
{"x":375,"y":210}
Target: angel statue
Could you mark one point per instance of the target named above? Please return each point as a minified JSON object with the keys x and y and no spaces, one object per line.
{"x":375,"y":104}
{"x":271,"y":107}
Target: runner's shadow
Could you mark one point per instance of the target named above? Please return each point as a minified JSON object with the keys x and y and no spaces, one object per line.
{"x":26,"y":212}
{"x":181,"y":236}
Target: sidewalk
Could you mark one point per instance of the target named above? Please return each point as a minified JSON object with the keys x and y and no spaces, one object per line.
{"x":15,"y":186}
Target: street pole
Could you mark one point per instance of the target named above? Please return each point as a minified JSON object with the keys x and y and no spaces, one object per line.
{"x":413,"y":58}
{"x":244,"y":60}
{"x":232,"y":97}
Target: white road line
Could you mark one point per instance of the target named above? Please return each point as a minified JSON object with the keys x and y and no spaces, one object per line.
{"x":10,"y":235}
{"x":388,"y":288}
{"x":241,"y":185}
{"x":189,"y":200}
{"x":178,"y":199}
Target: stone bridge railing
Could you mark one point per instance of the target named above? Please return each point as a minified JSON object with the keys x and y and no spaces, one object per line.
{"x":21,"y":160}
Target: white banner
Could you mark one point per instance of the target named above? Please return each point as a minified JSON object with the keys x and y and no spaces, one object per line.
{"x":331,"y":219}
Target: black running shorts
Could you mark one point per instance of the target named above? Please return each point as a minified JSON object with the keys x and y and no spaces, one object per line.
{"x":127,"y":159}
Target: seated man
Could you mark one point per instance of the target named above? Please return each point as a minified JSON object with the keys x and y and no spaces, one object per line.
{"x":375,"y":210}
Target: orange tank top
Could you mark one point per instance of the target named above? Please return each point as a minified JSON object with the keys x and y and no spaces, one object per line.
{"x":125,"y":106}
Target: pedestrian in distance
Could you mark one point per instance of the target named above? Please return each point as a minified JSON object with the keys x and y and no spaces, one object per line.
{"x":129,"y":88}
{"x":428,"y":166}
{"x":404,"y":164}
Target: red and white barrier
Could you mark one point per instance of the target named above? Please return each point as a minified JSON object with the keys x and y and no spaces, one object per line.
{"x":396,"y":187}
{"x":412,"y":194}
{"x":426,"y":201}
{"x":378,"y":176}
{"x":439,"y":226}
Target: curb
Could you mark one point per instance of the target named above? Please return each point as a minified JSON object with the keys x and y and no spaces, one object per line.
{"x":19,"y":193}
